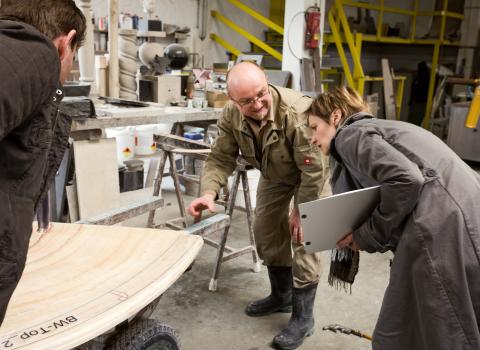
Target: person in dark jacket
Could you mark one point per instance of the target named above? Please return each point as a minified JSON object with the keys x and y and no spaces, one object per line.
{"x":38,"y":41}
{"x":428,"y":215}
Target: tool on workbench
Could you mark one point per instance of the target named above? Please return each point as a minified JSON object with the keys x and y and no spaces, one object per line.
{"x":345,"y":330}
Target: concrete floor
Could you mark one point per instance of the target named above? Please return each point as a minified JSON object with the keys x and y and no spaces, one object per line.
{"x":216,"y":320}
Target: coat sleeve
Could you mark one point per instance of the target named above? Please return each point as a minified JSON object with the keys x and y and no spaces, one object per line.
{"x":29,"y":71}
{"x":363,"y":149}
{"x":313,"y":165}
{"x":222,"y":160}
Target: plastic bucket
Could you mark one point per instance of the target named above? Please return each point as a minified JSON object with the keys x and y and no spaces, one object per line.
{"x":253,"y":177}
{"x":144,"y":143}
{"x":125,"y":140}
{"x":164,"y":128}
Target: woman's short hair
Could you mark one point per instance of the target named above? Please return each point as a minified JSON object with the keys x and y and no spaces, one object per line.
{"x":347,"y":100}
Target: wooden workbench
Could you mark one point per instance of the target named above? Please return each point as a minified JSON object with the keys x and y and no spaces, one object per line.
{"x":114,"y":116}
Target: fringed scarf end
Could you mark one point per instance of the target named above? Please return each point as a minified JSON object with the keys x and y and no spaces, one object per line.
{"x":343,"y":269}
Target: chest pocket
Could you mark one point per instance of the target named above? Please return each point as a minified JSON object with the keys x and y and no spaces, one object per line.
{"x":280,"y":164}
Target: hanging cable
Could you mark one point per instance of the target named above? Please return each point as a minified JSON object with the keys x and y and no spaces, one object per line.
{"x":288,"y":33}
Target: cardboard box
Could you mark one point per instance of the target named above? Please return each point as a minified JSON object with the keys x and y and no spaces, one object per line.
{"x":217,"y":98}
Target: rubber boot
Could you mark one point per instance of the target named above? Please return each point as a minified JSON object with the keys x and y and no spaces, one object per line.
{"x":301,"y":324}
{"x":280,"y":298}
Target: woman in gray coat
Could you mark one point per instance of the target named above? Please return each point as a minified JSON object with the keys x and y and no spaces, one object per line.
{"x":428,"y":215}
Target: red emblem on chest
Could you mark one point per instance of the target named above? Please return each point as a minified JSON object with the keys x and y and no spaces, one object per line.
{"x":307,"y":161}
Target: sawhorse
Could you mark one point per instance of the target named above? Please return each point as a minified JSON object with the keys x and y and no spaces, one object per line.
{"x":171,"y":145}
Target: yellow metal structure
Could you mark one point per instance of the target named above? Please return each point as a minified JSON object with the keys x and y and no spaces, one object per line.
{"x":270,"y":50}
{"x":243,"y":32}
{"x":341,"y":34}
{"x":226,"y":45}
{"x":270,"y":24}
{"x":341,"y":52}
{"x":277,"y":11}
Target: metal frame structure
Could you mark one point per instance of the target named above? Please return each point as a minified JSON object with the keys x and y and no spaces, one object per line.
{"x":342,"y":34}
{"x":338,"y":21}
{"x":260,"y":43}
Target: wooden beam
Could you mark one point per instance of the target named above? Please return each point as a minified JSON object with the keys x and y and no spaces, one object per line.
{"x":388,"y":94}
{"x":121,"y":214}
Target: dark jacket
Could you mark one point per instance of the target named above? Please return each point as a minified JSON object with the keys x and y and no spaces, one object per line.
{"x":429,"y":215}
{"x":32,"y":139}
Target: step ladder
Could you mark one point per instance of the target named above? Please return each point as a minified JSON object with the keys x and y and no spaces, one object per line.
{"x":170,"y":146}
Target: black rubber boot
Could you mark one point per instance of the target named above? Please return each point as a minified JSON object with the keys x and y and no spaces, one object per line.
{"x":301,"y":324}
{"x":280,"y":299}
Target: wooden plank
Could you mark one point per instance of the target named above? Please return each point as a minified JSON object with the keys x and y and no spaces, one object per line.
{"x":97,"y":180}
{"x":236,"y":253}
{"x":124,"y":213}
{"x":72,"y":200}
{"x":209,"y":225}
{"x":192,"y":178}
{"x":152,"y":172}
{"x":214,"y":244}
{"x":388,"y":93}
{"x":176,"y":224}
{"x":175,"y":141}
{"x":192,"y":152}
{"x":317,"y":71}
{"x":372,"y":101}
{"x":307,"y":75}
{"x":81,"y":280}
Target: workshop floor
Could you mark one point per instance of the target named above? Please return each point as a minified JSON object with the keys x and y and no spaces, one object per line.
{"x":216,"y":320}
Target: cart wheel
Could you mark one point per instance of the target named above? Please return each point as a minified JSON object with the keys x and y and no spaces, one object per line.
{"x":147,"y":311}
{"x":146,"y":335}
{"x":91,"y":345}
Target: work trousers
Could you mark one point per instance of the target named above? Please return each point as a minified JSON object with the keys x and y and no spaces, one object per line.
{"x":272,"y":234}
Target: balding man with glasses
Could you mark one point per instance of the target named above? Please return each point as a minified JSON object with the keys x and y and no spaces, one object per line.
{"x":268,"y":126}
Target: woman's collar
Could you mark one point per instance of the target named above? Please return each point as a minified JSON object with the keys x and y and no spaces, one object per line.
{"x":347,"y":121}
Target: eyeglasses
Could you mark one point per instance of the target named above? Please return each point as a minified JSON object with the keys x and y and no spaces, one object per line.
{"x":253,"y":100}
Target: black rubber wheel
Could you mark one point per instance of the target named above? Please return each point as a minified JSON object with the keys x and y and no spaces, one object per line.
{"x":147,"y":311}
{"x":91,"y":345}
{"x":146,"y":335}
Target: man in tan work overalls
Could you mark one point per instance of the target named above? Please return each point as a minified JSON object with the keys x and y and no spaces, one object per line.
{"x":268,"y":125}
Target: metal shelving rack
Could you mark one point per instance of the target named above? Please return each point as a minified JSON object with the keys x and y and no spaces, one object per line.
{"x":341,"y":34}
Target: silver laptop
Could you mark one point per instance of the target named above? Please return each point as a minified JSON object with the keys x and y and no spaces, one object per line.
{"x":325,"y":221}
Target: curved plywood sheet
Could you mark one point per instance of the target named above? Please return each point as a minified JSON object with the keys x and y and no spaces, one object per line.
{"x":82,"y":280}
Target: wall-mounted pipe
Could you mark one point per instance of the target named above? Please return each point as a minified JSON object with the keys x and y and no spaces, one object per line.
{"x":203,"y":28}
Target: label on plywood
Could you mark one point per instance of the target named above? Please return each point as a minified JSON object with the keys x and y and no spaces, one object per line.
{"x":29,"y":336}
